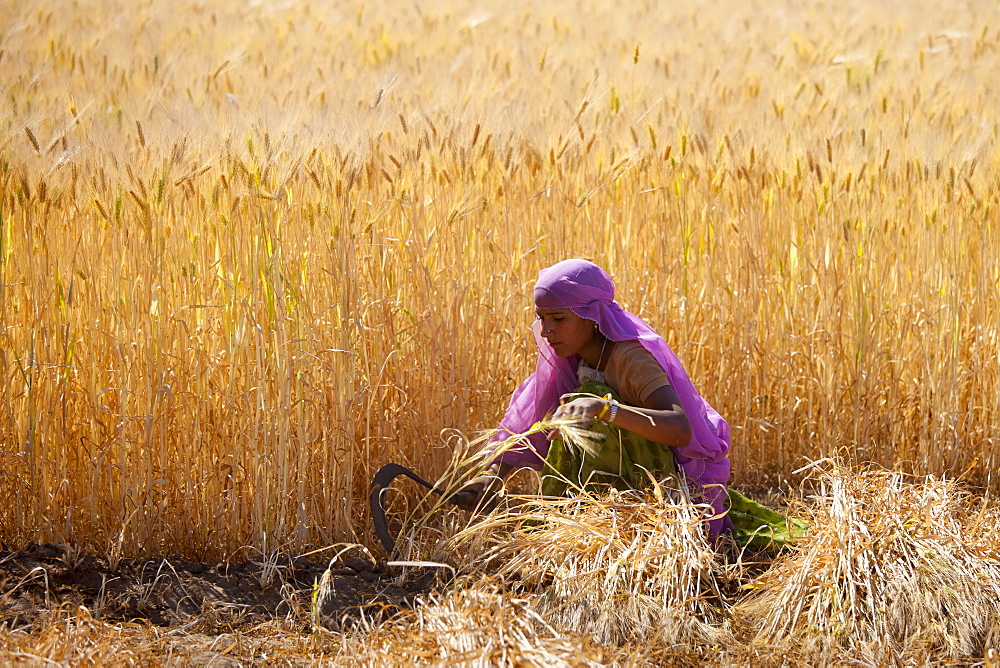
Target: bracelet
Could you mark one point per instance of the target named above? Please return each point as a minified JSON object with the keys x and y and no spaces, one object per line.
{"x":607,"y":404}
{"x":614,"y":411}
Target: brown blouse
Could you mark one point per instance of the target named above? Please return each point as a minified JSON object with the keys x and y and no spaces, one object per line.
{"x":634,"y":373}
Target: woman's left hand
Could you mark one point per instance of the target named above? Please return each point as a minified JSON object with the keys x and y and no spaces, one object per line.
{"x":661,"y":419}
{"x":582,"y":408}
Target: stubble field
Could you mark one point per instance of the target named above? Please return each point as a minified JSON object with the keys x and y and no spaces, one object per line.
{"x":249,"y":252}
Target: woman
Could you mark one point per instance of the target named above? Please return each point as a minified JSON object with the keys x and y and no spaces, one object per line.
{"x":656,"y":419}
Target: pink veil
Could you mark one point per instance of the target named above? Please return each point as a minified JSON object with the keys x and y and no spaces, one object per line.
{"x":589,"y":292}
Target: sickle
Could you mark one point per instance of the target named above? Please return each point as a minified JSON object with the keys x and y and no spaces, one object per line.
{"x":383,"y":478}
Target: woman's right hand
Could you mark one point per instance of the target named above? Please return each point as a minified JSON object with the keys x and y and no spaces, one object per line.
{"x":483,"y":492}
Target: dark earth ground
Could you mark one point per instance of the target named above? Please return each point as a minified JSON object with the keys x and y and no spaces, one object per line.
{"x":173,"y":591}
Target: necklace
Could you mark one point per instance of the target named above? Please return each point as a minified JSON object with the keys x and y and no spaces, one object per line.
{"x":585,"y":372}
{"x":601,"y":358}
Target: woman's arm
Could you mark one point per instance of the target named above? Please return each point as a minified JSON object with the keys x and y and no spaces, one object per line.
{"x":661,"y":420}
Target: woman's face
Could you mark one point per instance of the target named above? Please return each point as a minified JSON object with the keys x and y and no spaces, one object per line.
{"x":566,"y":332}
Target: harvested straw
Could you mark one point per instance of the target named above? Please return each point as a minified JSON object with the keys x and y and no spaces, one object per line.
{"x":889,"y":568}
{"x":623,"y":567}
{"x":473,"y":627}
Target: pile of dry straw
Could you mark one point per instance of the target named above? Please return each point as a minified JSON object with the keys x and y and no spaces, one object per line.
{"x":892,"y":570}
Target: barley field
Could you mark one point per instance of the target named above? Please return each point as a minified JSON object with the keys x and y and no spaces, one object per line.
{"x":251,"y":251}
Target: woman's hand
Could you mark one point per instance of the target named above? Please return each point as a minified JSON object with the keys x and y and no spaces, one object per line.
{"x":581,"y":409}
{"x":661,"y":420}
{"x":483,"y":492}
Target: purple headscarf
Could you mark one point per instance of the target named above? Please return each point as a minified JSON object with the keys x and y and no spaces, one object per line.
{"x":588,"y":291}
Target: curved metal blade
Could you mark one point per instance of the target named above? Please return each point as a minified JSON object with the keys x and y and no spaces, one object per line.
{"x":383,"y":478}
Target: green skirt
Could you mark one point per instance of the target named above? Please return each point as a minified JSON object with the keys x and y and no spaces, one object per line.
{"x":624,"y":460}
